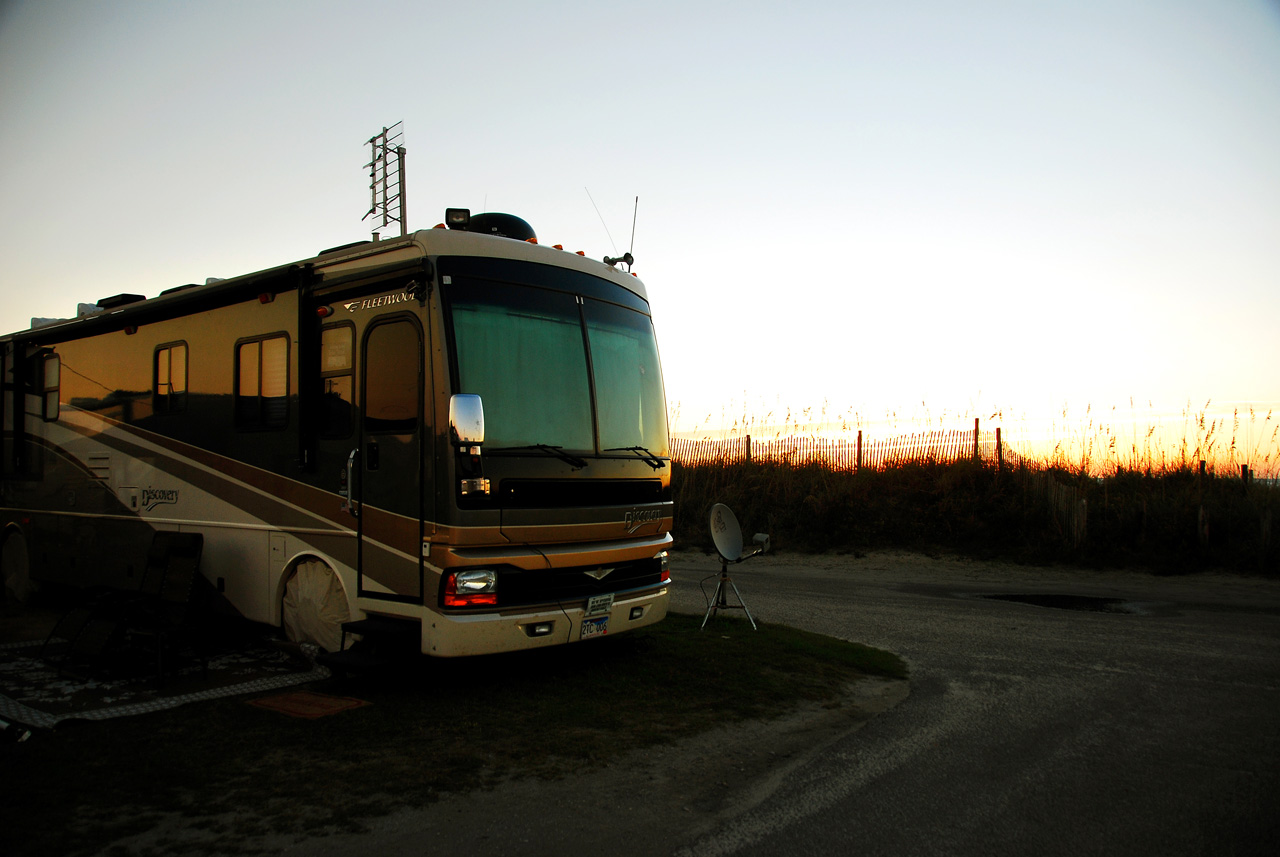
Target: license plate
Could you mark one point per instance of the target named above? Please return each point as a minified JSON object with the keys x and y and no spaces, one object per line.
{"x":599,"y":604}
{"x":595,"y":627}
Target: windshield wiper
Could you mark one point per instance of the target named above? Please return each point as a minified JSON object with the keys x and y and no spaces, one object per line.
{"x":557,"y":451}
{"x":643,"y":454}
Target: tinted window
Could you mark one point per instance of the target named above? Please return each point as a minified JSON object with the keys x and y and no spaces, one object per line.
{"x":262,"y":383}
{"x":391,"y":382}
{"x":629,"y":398}
{"x":337,"y":347}
{"x":521,"y":350}
{"x":51,"y":370}
{"x":170,"y":387}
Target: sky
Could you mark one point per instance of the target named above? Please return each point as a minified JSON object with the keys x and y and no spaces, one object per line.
{"x":856,"y":212}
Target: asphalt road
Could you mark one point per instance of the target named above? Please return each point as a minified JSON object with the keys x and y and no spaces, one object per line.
{"x":1029,"y":729}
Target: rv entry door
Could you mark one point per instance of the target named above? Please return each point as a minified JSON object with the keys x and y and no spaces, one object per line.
{"x":390,"y":486}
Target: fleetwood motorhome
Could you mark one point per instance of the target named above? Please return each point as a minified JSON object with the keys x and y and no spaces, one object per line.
{"x":457,"y":428}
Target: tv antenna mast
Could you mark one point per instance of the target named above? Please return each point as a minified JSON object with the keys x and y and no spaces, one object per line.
{"x":727,"y":536}
{"x":387,"y":200}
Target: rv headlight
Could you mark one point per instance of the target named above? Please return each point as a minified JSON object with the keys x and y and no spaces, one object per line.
{"x":470,"y":588}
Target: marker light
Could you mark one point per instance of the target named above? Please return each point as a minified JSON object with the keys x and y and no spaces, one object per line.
{"x":471,"y":588}
{"x":531,"y":240}
{"x":324,"y":311}
{"x":266,"y":298}
{"x":130,"y":330}
{"x":558,"y":246}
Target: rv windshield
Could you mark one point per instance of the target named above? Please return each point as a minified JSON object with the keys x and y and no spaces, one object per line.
{"x":536,"y":356}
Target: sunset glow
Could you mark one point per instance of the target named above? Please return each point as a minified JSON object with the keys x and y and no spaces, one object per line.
{"x":906,"y":216}
{"x":1224,"y":436}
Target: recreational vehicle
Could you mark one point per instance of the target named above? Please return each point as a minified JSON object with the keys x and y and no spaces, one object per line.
{"x":459,"y":430}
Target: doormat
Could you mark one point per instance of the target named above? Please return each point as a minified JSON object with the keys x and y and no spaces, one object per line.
{"x":307,"y":703}
{"x":34,"y":692}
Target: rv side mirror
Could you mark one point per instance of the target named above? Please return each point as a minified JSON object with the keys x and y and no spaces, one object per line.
{"x":466,"y":420}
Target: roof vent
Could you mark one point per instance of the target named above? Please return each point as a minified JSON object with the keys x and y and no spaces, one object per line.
{"x":119,"y":300}
{"x":343,"y":247}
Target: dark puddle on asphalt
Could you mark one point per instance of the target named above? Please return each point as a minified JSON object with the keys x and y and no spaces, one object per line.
{"x":1086,"y":603}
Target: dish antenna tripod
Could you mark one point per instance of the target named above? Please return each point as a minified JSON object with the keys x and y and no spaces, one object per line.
{"x":727,"y":536}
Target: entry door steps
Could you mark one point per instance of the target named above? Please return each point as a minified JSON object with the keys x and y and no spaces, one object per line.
{"x":382,"y":643}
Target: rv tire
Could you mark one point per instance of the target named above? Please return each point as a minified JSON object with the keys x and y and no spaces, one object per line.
{"x":315,"y":605}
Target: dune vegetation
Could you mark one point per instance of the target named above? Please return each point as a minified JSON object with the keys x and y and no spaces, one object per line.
{"x":1099,"y":496}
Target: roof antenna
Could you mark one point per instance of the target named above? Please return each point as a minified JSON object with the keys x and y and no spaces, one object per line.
{"x":626,"y":258}
{"x":634,"y":212}
{"x":387,"y":194}
{"x":602,"y":223}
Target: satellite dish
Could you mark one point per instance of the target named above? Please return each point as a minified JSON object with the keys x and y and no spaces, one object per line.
{"x":727,"y":536}
{"x":726,"y":533}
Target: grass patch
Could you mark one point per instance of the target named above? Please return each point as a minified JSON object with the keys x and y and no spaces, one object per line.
{"x":441,"y":726}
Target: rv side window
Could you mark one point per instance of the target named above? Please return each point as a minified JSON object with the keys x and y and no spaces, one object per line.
{"x":50,"y":371}
{"x":262,"y":383}
{"x":337,"y":345}
{"x":170,"y":388}
{"x":391,"y":384}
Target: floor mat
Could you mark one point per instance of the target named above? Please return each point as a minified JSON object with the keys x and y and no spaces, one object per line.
{"x":32,"y":691}
{"x":307,"y":703}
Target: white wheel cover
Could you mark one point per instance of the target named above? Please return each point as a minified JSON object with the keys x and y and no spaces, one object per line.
{"x":315,"y":606}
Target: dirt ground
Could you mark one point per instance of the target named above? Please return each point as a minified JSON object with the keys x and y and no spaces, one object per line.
{"x":654,"y":801}
{"x":21,"y":625}
{"x":648,"y":803}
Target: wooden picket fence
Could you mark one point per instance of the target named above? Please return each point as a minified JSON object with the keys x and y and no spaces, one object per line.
{"x":852,"y":453}
{"x":1066,"y":504}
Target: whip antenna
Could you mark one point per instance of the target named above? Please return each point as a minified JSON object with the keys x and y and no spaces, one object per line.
{"x":602,"y":223}
{"x":634,"y":212}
